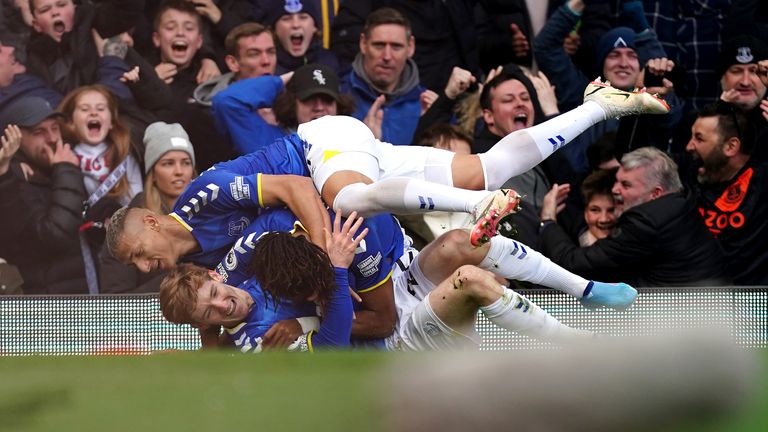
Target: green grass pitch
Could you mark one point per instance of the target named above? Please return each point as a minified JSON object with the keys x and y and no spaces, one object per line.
{"x":222,"y":392}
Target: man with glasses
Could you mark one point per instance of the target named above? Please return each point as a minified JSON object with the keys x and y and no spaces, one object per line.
{"x":731,"y":189}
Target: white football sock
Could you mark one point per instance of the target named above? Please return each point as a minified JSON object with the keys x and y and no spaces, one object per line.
{"x":511,"y":259}
{"x":521,"y":150}
{"x":405,"y":195}
{"x":516,"y":313}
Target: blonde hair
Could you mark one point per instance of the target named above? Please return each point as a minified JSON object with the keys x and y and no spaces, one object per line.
{"x":153,"y":198}
{"x":178,"y":292}
{"x":118,"y":139}
{"x":468,"y":110}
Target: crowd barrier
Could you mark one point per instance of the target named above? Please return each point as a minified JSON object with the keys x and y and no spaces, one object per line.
{"x":133,"y":324}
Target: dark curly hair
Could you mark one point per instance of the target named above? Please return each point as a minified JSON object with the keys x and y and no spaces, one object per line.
{"x":291,"y":268}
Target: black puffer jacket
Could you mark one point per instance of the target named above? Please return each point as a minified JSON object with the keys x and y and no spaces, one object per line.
{"x":39,"y":221}
{"x":659,"y":243}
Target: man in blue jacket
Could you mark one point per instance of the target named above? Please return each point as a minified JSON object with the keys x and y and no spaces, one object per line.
{"x":384,"y":80}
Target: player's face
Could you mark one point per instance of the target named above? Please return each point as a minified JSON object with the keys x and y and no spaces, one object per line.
{"x":600,"y":215}
{"x":706,"y":149}
{"x":172,"y":173}
{"x":92,"y":119}
{"x":45,"y":133}
{"x":295,"y":32}
{"x":315,"y":107}
{"x":745,"y":80}
{"x":178,"y":37}
{"x":385,"y":53}
{"x":221,"y":304}
{"x":9,"y":66}
{"x":53,"y":17}
{"x":631,"y":188}
{"x":511,"y":108}
{"x":144,"y":245}
{"x":256,"y":56}
{"x":621,"y":67}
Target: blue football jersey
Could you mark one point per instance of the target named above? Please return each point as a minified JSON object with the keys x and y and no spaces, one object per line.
{"x":246,"y":336}
{"x":284,"y":156}
{"x":374,"y":259}
{"x":371,"y":267}
{"x":220,"y":204}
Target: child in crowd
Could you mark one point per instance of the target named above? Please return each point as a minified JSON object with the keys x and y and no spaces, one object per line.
{"x":104,"y":142}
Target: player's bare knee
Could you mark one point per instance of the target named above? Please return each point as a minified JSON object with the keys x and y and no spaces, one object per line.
{"x":457,"y":248}
{"x":475,"y":282}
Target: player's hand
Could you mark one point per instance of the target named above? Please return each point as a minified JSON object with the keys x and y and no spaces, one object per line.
{"x":281,"y":334}
{"x":520,"y":46}
{"x":545,"y":92}
{"x":426,"y":99}
{"x":554,"y":201}
{"x":458,"y":82}
{"x":62,"y":153}
{"x":208,"y":71}
{"x":10,"y":143}
{"x":166,"y":71}
{"x":375,"y":116}
{"x":208,"y":9}
{"x":342,"y":242}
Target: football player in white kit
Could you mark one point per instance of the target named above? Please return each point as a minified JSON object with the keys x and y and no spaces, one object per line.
{"x":354,"y":171}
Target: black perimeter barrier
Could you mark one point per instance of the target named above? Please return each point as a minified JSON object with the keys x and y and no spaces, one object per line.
{"x":133,"y":324}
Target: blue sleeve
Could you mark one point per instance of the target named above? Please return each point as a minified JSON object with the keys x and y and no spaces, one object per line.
{"x":109,"y":70}
{"x":234,"y":112}
{"x":376,"y":254}
{"x":216,"y":208}
{"x":552,"y":59}
{"x":336,"y":327}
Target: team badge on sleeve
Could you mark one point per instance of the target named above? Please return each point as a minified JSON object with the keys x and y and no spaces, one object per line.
{"x":240,"y":190}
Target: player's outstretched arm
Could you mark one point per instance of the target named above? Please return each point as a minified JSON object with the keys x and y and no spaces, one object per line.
{"x":341,"y":244}
{"x":300,"y":196}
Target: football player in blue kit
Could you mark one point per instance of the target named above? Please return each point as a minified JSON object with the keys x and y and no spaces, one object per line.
{"x":193,"y":295}
{"x":354,"y":171}
{"x":399,"y":283}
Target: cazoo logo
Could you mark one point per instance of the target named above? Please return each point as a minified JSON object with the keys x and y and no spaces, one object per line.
{"x":717,"y":222}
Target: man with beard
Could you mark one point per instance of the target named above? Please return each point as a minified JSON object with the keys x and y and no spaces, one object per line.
{"x":658,"y":239}
{"x":732,"y":189}
{"x":744,"y":83}
{"x":43,"y":193}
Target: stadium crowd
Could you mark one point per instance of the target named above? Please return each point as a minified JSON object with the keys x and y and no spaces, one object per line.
{"x":110,"y":104}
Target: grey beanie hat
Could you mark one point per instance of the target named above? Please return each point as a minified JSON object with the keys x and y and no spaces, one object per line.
{"x":160,"y":138}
